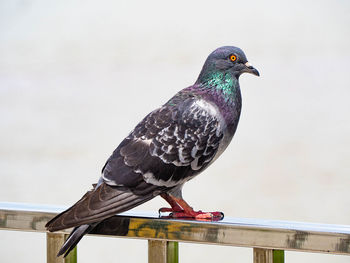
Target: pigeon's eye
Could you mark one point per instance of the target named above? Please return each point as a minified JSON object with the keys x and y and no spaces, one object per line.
{"x":233,"y":58}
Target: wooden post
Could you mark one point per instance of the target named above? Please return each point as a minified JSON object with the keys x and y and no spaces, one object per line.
{"x":163,"y":251}
{"x":53,"y":244}
{"x":173,"y":252}
{"x":262,"y":255}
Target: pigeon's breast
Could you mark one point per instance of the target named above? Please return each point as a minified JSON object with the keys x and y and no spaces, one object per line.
{"x":210,"y":109}
{"x":229,"y":114}
{"x":213,"y":110}
{"x":226,"y":139}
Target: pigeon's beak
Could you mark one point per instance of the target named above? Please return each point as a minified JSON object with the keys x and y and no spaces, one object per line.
{"x":251,"y":69}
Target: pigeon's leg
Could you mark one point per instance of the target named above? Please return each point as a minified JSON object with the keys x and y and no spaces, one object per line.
{"x":180,"y":209}
{"x":174,"y":206}
{"x":189,"y":212}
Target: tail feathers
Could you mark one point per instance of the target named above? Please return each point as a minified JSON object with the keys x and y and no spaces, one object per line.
{"x":99,"y":204}
{"x":74,"y":238}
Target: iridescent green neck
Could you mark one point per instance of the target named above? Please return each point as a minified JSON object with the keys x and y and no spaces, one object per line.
{"x":222,"y":83}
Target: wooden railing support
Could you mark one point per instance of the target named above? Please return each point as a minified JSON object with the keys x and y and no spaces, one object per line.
{"x":160,"y":251}
{"x":54,"y":242}
{"x":262,"y":255}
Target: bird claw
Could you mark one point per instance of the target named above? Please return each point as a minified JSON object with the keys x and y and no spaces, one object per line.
{"x":214,"y":216}
{"x":164,"y":210}
{"x":180,"y":209}
{"x":167,"y":210}
{"x":199,"y":215}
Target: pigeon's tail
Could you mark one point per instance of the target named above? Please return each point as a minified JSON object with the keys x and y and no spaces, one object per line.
{"x":74,"y":238}
{"x":96,"y":205}
{"x":100,"y":203}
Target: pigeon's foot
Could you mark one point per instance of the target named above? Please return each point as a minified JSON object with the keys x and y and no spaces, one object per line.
{"x":180,"y":209}
{"x":198,"y":215}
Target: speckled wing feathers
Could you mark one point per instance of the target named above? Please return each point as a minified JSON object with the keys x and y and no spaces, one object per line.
{"x":168,"y":146}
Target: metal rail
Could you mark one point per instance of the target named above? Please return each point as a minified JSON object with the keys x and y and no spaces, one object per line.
{"x":269,"y":238}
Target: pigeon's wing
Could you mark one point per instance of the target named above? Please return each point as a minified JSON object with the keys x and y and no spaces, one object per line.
{"x":168,"y":147}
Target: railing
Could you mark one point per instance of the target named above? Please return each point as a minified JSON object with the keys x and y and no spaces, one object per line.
{"x":268,"y":238}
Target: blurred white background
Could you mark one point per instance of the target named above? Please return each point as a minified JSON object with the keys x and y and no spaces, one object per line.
{"x":77,"y":76}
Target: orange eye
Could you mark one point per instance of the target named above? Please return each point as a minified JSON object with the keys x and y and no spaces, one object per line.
{"x":233,"y":58}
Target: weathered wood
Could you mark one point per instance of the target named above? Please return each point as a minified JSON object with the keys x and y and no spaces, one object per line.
{"x":160,"y":251}
{"x":262,"y":255}
{"x":54,"y":242}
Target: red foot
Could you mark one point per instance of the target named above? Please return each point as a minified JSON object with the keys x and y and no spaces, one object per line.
{"x":180,"y":209}
{"x":199,"y":215}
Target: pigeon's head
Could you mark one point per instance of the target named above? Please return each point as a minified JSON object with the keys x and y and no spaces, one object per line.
{"x":228,"y":59}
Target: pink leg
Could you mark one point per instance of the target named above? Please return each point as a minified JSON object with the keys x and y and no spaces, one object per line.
{"x":180,"y":209}
{"x":174,"y":206}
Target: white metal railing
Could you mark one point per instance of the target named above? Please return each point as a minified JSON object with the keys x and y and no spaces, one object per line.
{"x":268,"y":238}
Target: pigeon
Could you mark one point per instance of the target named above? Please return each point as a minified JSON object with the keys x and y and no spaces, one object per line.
{"x":170,"y":146}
